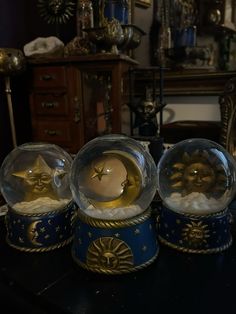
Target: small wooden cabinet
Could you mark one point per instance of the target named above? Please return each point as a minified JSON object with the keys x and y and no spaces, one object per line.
{"x":75,"y":99}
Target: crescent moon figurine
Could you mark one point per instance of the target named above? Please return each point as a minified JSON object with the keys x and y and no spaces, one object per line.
{"x":32,"y":233}
{"x":113,"y":180}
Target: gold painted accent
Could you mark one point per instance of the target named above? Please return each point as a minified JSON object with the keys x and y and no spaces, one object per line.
{"x":198,"y":172}
{"x":38,"y":180}
{"x":99,"y":172}
{"x":217,"y":214}
{"x":136,"y":231}
{"x":32,"y":233}
{"x":21,"y":240}
{"x":115,"y":271}
{"x":144,"y":248}
{"x":95,"y":222}
{"x":198,"y":251}
{"x":195,"y":233}
{"x":109,"y":253}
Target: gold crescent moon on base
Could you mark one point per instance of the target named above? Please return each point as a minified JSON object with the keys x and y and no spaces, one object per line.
{"x":32,"y":233}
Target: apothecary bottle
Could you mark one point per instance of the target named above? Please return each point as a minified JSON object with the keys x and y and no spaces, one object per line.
{"x":84,"y":17}
{"x":118,"y":9}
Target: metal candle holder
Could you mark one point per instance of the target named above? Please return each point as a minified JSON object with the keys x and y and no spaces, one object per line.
{"x":12,"y":61}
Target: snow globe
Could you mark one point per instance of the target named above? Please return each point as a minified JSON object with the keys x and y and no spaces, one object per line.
{"x":196,"y":183}
{"x":113,"y":182}
{"x":34,"y":180}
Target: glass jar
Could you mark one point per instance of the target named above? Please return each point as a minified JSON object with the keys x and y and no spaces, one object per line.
{"x":118,"y":9}
{"x":84,"y":16}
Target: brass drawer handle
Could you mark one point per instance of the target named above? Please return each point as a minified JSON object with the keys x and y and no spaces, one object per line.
{"x":47,"y":77}
{"x":48,"y":104}
{"x":52,"y":132}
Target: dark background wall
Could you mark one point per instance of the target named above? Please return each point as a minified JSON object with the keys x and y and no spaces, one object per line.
{"x":21,"y":23}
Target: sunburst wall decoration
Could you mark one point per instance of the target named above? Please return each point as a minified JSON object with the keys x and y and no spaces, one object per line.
{"x":56,"y":11}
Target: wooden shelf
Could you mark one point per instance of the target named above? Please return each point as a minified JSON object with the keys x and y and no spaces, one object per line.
{"x":187,"y":83}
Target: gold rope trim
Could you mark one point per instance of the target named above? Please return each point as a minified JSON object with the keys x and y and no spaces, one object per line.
{"x":42,"y":249}
{"x":95,"y":222}
{"x":188,"y":250}
{"x":112,"y":271}
{"x":222,"y":212}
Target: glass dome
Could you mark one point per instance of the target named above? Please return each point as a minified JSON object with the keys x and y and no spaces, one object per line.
{"x":196,"y":176}
{"x":34,"y":178}
{"x":113,"y":177}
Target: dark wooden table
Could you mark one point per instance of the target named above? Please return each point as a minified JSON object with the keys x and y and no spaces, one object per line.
{"x":40,"y":283}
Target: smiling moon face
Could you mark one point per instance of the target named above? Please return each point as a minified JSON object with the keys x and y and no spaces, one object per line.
{"x":105,"y":179}
{"x":112,"y":180}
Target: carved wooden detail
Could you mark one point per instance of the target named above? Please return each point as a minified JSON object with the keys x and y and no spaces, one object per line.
{"x":227,"y":103}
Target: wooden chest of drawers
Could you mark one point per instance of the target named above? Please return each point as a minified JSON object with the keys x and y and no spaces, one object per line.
{"x":73,"y":100}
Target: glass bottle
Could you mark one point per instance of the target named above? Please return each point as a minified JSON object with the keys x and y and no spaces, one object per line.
{"x":84,"y":16}
{"x":117,"y":9}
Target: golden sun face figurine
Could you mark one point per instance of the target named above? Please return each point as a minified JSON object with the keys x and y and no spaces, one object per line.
{"x":39,"y":180}
{"x":198,"y":173}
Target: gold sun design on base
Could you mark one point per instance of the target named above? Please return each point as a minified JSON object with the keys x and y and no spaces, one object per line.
{"x":195,"y":233}
{"x":109,"y":253}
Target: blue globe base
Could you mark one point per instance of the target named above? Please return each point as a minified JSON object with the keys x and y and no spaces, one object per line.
{"x":195,"y":234}
{"x":115,"y":246}
{"x":40,"y":232}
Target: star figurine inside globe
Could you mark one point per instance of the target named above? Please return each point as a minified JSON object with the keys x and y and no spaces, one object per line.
{"x":196,"y":182}
{"x":113,"y":182}
{"x":34,"y":178}
{"x":34,"y":181}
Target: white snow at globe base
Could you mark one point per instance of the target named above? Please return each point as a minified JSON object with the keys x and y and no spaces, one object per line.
{"x":196,"y":203}
{"x":40,"y":205}
{"x":114,"y":213}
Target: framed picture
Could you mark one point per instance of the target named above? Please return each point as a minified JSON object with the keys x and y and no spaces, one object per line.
{"x":143,"y":3}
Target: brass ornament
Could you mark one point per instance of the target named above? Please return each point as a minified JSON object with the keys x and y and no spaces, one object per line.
{"x":195,"y":233}
{"x":11,"y":61}
{"x":108,"y":253}
{"x":56,"y":11}
{"x":38,"y":180}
